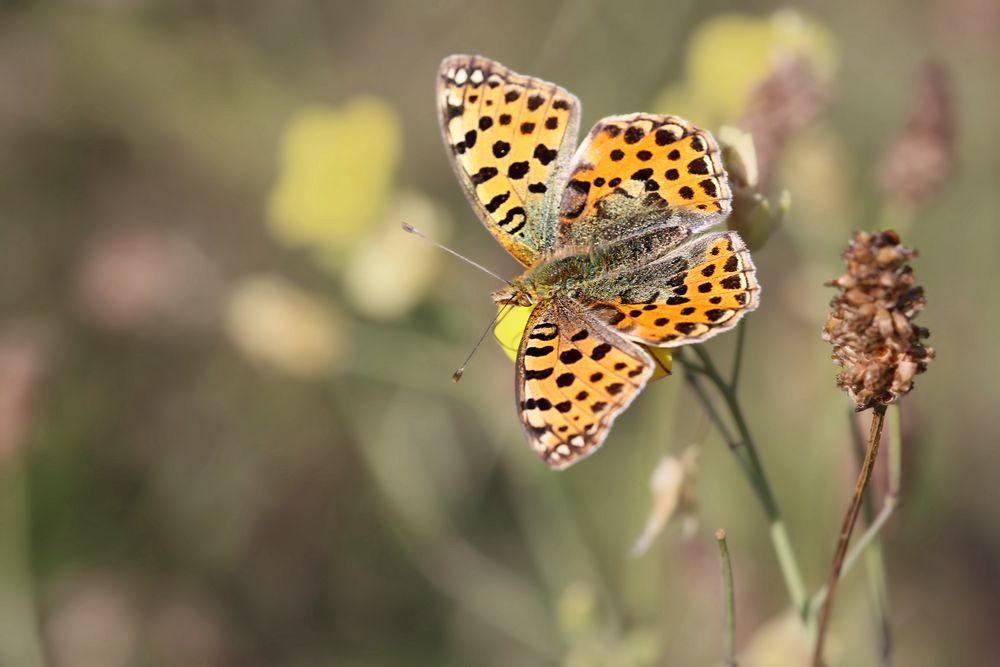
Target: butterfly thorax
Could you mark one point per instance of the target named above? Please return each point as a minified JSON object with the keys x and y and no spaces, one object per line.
{"x":574,"y":269}
{"x":549,"y":277}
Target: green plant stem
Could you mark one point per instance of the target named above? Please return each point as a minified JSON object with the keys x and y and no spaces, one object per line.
{"x":896,"y":452}
{"x":867,"y":539}
{"x":713,"y":413}
{"x":741,"y":335}
{"x":20,"y":641}
{"x":746,"y":452}
{"x":874,"y":436}
{"x":728,"y":599}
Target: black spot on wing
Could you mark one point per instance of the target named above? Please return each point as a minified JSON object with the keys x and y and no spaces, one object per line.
{"x":633,"y":134}
{"x":497,"y":202}
{"x":544,"y":154}
{"x":600,"y":351}
{"x":569,"y":357}
{"x":483,"y":175}
{"x":513,"y":213}
{"x":664,"y":137}
{"x":698,"y":166}
{"x":517,"y":170}
{"x":565,"y":380}
{"x":535,"y":101}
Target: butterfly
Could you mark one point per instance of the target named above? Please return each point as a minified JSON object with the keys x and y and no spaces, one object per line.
{"x":612,"y":235}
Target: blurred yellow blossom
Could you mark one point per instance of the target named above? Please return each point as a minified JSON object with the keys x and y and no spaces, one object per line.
{"x":390,"y":271}
{"x":730,"y":53}
{"x":281,"y":326}
{"x":576,"y":609}
{"x":335,"y":175}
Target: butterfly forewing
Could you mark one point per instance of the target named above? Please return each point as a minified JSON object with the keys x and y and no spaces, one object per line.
{"x":510,"y":139}
{"x":574,"y":376}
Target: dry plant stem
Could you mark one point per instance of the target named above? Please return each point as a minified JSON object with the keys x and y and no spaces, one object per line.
{"x":871,"y":534}
{"x":746,"y":453}
{"x":874,"y":436}
{"x":728,"y":599}
{"x":875,"y":570}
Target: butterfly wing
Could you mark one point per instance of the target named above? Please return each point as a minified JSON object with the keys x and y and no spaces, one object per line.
{"x":574,"y":376}
{"x":510,"y":139}
{"x":640,"y":171}
{"x":699,"y":289}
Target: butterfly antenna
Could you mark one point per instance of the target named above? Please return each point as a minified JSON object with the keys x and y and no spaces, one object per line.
{"x":407,"y":227}
{"x":502,"y":313}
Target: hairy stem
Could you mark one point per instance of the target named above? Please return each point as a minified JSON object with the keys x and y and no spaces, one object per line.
{"x":874,"y":436}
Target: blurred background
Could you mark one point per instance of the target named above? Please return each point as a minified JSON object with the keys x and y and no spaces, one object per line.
{"x":227,"y":430}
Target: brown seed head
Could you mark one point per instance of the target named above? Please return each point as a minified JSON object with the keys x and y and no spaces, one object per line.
{"x":871,"y":321}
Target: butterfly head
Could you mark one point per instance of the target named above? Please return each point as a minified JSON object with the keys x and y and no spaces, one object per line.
{"x":516,"y":293}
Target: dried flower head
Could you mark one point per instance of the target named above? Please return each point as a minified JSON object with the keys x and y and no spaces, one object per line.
{"x":870,"y":324}
{"x":919,"y":160}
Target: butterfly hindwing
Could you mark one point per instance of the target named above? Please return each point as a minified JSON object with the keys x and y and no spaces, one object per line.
{"x":510,"y":139}
{"x":574,"y":376}
{"x":698,"y":290}
{"x":641,"y":170}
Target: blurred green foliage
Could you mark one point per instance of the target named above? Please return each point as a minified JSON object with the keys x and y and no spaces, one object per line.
{"x":227,"y":433}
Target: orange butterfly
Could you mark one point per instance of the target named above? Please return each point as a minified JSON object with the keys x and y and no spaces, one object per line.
{"x":610,"y":238}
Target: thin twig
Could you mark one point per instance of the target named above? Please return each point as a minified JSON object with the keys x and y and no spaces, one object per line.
{"x":728,"y":600}
{"x":706,"y":401}
{"x":713,"y":415}
{"x":874,"y":436}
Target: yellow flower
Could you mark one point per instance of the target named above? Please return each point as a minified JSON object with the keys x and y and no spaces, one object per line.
{"x":730,"y":53}
{"x":335,"y":175}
